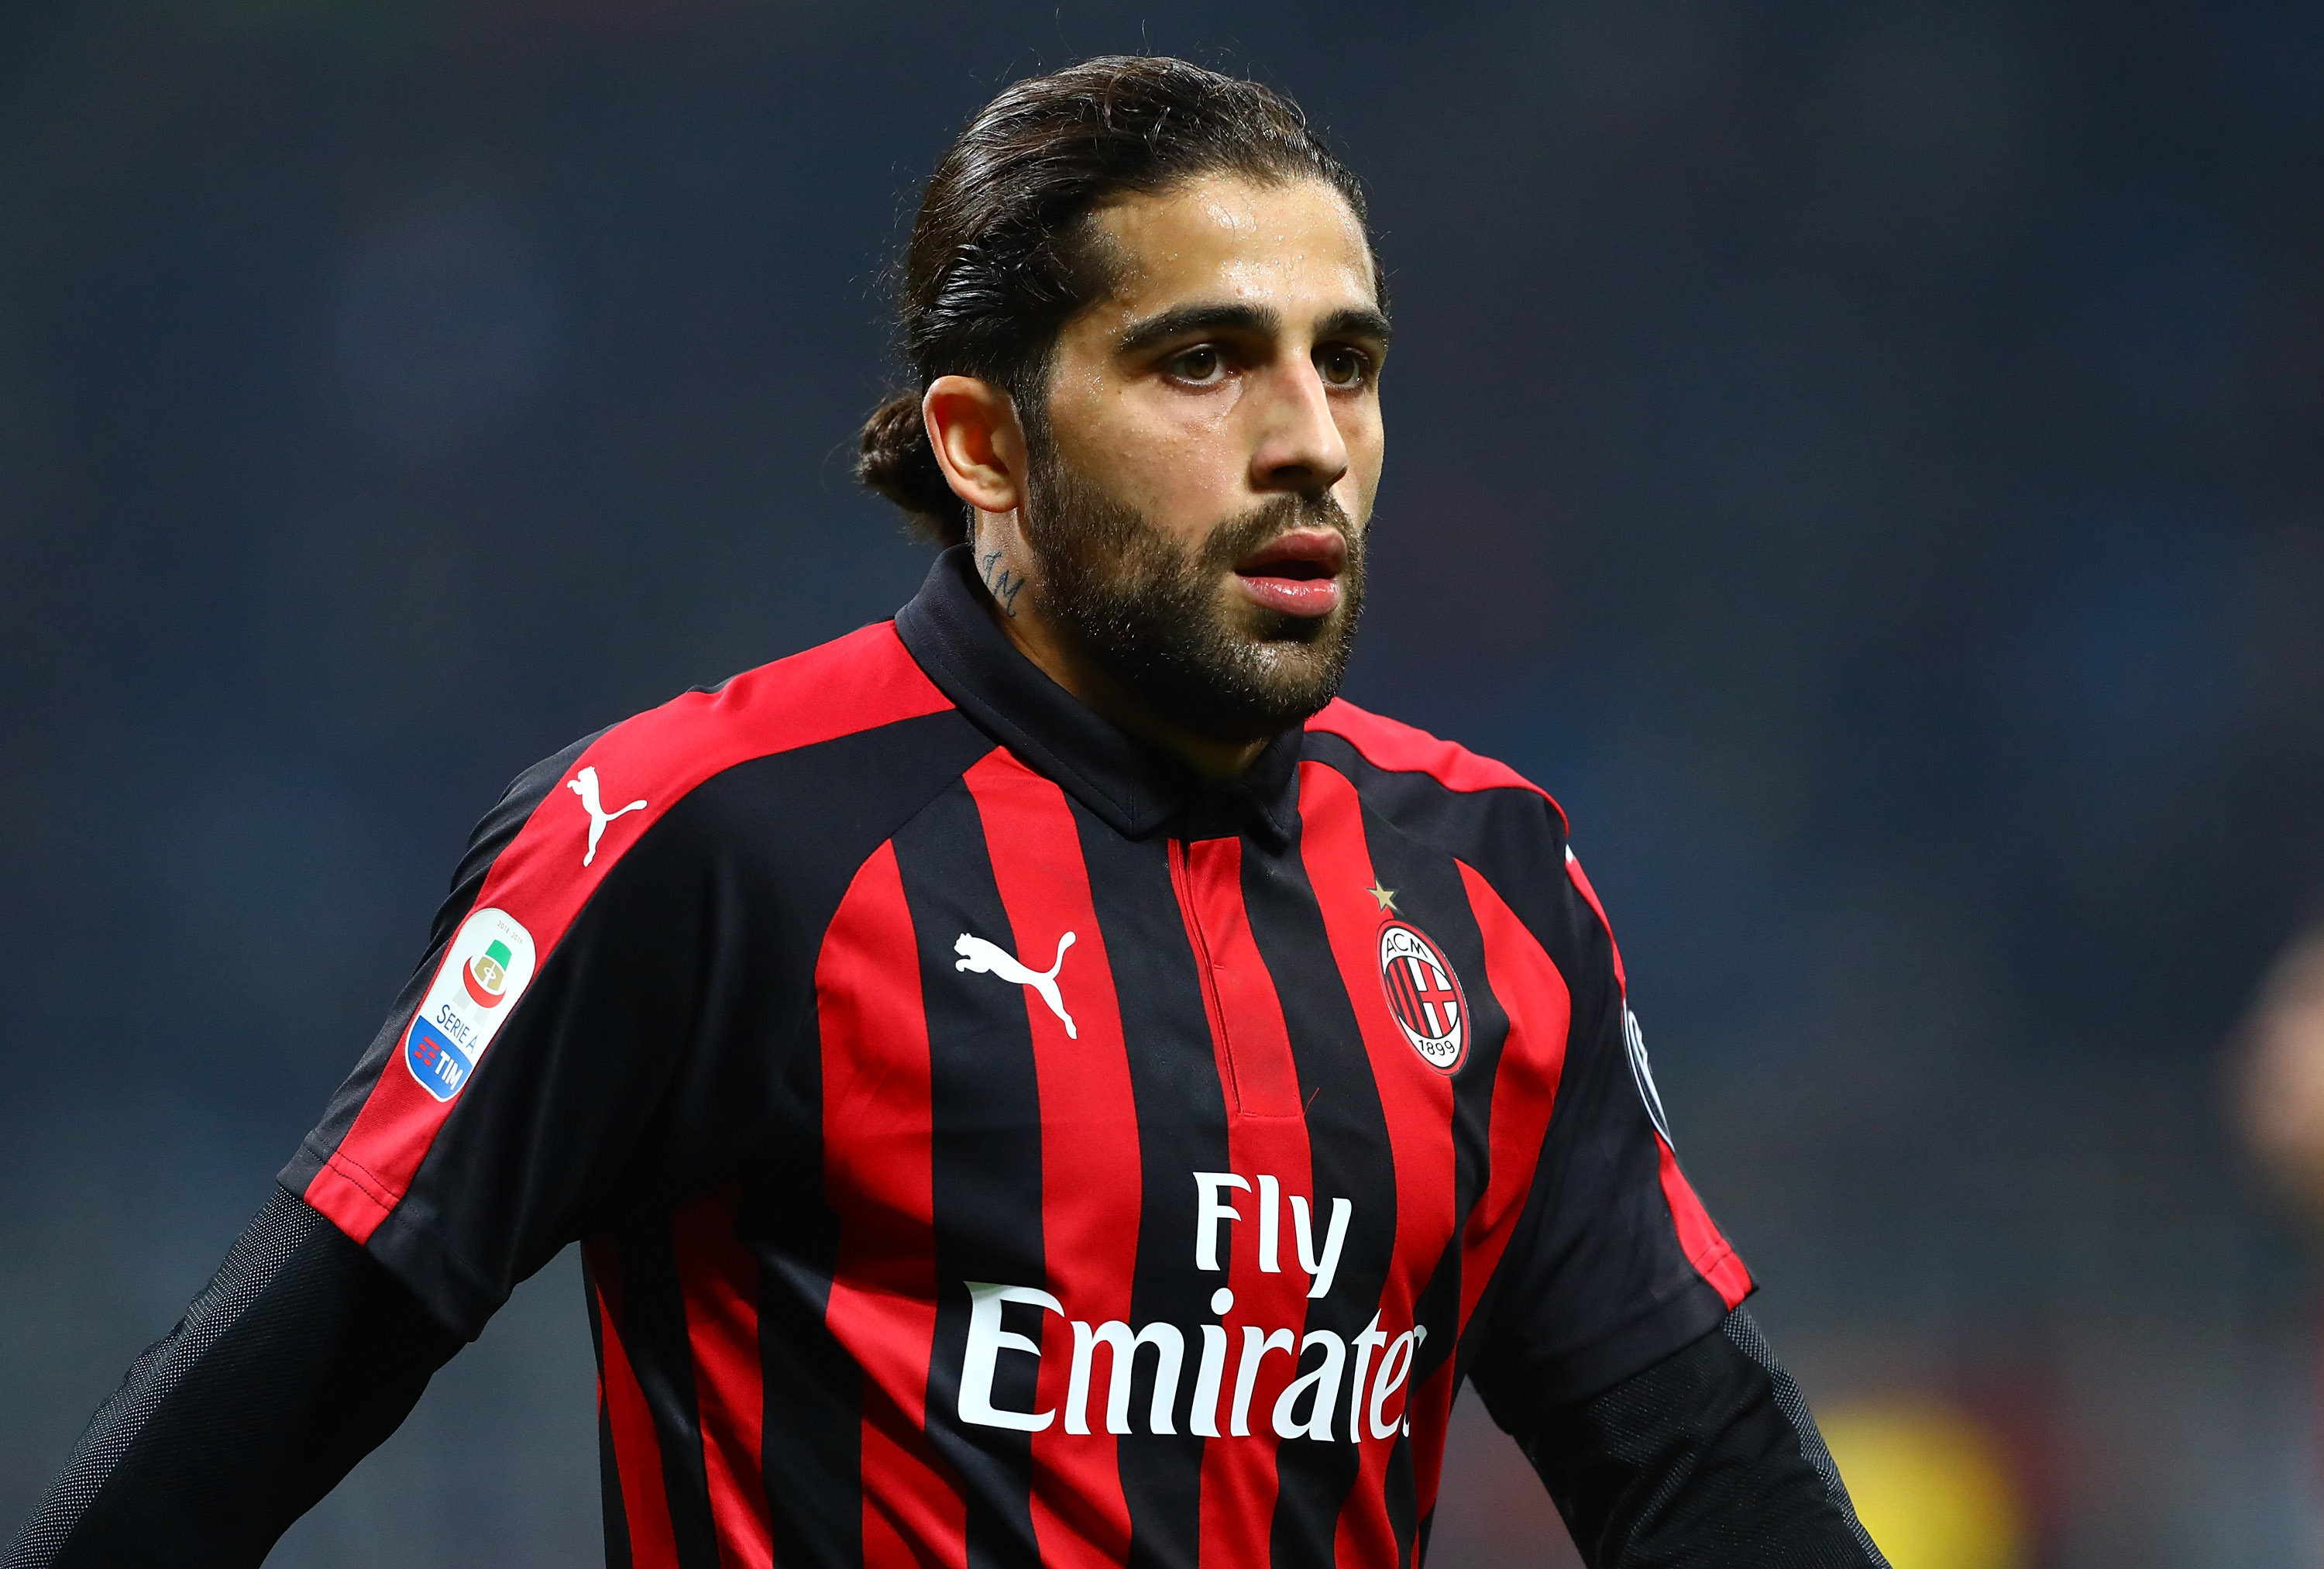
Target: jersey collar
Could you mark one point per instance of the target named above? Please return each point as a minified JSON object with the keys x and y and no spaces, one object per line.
{"x":1132,"y":787}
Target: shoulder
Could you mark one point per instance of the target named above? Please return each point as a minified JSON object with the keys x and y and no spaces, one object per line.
{"x":1510,"y":830}
{"x":857,"y":685}
{"x":1403,"y":771}
{"x":864,"y":681}
{"x":808,"y":751}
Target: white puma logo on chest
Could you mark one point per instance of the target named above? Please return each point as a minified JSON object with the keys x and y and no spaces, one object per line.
{"x":983,"y":959}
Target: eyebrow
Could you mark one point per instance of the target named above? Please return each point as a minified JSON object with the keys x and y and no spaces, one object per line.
{"x":1186,"y":320}
{"x":1356,"y":321}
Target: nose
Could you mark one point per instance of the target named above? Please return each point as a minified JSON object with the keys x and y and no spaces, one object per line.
{"x":1299,"y":448}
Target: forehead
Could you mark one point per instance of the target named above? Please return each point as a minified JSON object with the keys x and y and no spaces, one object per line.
{"x":1294,"y":247}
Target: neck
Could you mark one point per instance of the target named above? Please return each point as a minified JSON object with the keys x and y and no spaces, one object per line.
{"x":1214,"y":760}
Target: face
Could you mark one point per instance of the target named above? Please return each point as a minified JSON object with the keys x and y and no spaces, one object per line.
{"x":1200,"y":488}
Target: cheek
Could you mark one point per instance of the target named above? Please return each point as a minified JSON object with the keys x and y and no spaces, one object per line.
{"x":1183,"y":474}
{"x":1365,"y":450}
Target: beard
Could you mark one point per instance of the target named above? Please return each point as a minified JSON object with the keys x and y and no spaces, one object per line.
{"x":1159,"y":616}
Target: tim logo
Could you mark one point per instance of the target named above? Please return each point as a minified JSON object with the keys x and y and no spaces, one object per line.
{"x":440,"y":1066}
{"x":1424,"y":995}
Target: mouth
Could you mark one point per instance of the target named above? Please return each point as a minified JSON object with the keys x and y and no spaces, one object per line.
{"x":1296,"y":572}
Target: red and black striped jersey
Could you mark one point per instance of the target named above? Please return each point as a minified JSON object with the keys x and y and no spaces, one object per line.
{"x":989,"y":1144}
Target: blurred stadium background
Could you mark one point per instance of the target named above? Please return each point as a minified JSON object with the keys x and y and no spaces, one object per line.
{"x":1868,"y":461}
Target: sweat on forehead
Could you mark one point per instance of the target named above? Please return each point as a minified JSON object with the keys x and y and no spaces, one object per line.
{"x":1228,"y":236}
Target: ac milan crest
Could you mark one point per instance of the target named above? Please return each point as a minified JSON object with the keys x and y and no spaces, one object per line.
{"x":1424,"y":995}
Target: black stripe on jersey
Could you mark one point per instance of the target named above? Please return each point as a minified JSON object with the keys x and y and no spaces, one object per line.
{"x":863,"y":786}
{"x":1174,"y":1078}
{"x":1351,"y":1157}
{"x":811,"y":1446}
{"x":858,"y":790}
{"x":1400,"y":1493}
{"x":985,"y":1160}
{"x":653,"y":1325}
{"x":1427,"y":879}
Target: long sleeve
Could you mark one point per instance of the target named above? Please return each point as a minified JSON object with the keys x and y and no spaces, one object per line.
{"x":1708,"y":1458}
{"x":301,"y":1357}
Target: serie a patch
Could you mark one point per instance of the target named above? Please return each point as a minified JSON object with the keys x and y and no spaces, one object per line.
{"x":484,"y":971}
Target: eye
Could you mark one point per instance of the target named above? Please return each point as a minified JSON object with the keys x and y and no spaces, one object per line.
{"x":1342,"y":366}
{"x":1200,"y":364}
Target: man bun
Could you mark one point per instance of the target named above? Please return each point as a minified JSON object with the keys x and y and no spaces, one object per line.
{"x":1001,"y":256}
{"x":893,"y":456}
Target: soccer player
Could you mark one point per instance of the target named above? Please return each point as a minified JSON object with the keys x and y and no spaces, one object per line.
{"x":1037,"y":1080}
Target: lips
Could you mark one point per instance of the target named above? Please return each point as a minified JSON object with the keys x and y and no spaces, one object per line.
{"x":1296,"y":572}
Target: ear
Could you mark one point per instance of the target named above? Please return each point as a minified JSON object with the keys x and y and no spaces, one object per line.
{"x":973,"y":425}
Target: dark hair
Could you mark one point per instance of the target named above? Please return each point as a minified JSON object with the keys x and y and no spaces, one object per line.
{"x":1001,"y":255}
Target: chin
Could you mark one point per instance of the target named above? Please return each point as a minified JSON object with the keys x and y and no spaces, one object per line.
{"x":1302,"y":675}
{"x":1263,"y":629}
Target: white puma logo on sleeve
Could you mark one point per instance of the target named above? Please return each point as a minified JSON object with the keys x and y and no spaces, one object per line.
{"x":584,"y":785}
{"x":985,"y":958}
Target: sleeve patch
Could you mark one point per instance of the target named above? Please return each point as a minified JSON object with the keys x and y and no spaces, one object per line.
{"x":484,"y":971}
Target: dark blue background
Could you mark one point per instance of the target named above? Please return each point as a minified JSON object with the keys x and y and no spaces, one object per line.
{"x":1865,"y":460}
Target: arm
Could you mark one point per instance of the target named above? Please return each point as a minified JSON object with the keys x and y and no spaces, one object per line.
{"x":300,"y":1356}
{"x":311,"y":1347}
{"x":1612,"y":1343}
{"x":1709,"y":1458}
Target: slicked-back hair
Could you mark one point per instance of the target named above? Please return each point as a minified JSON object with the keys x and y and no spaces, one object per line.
{"x":1002,"y":254}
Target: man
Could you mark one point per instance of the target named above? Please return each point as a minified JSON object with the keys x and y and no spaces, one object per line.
{"x":1036,"y":1081}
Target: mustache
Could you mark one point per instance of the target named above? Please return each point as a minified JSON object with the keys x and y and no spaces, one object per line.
{"x":1239,"y":536}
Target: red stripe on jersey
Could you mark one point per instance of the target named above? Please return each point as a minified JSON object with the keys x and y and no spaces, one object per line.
{"x":1712,"y":1258}
{"x":1402,"y":748}
{"x":1255,"y":1063}
{"x":1581,"y":880}
{"x":1533,"y":993}
{"x":719,"y":1278}
{"x":1089,"y":1150}
{"x":1267,"y":1134}
{"x":878,"y":1175}
{"x":859,"y":682}
{"x":637,"y":1453}
{"x":1416,"y":1100}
